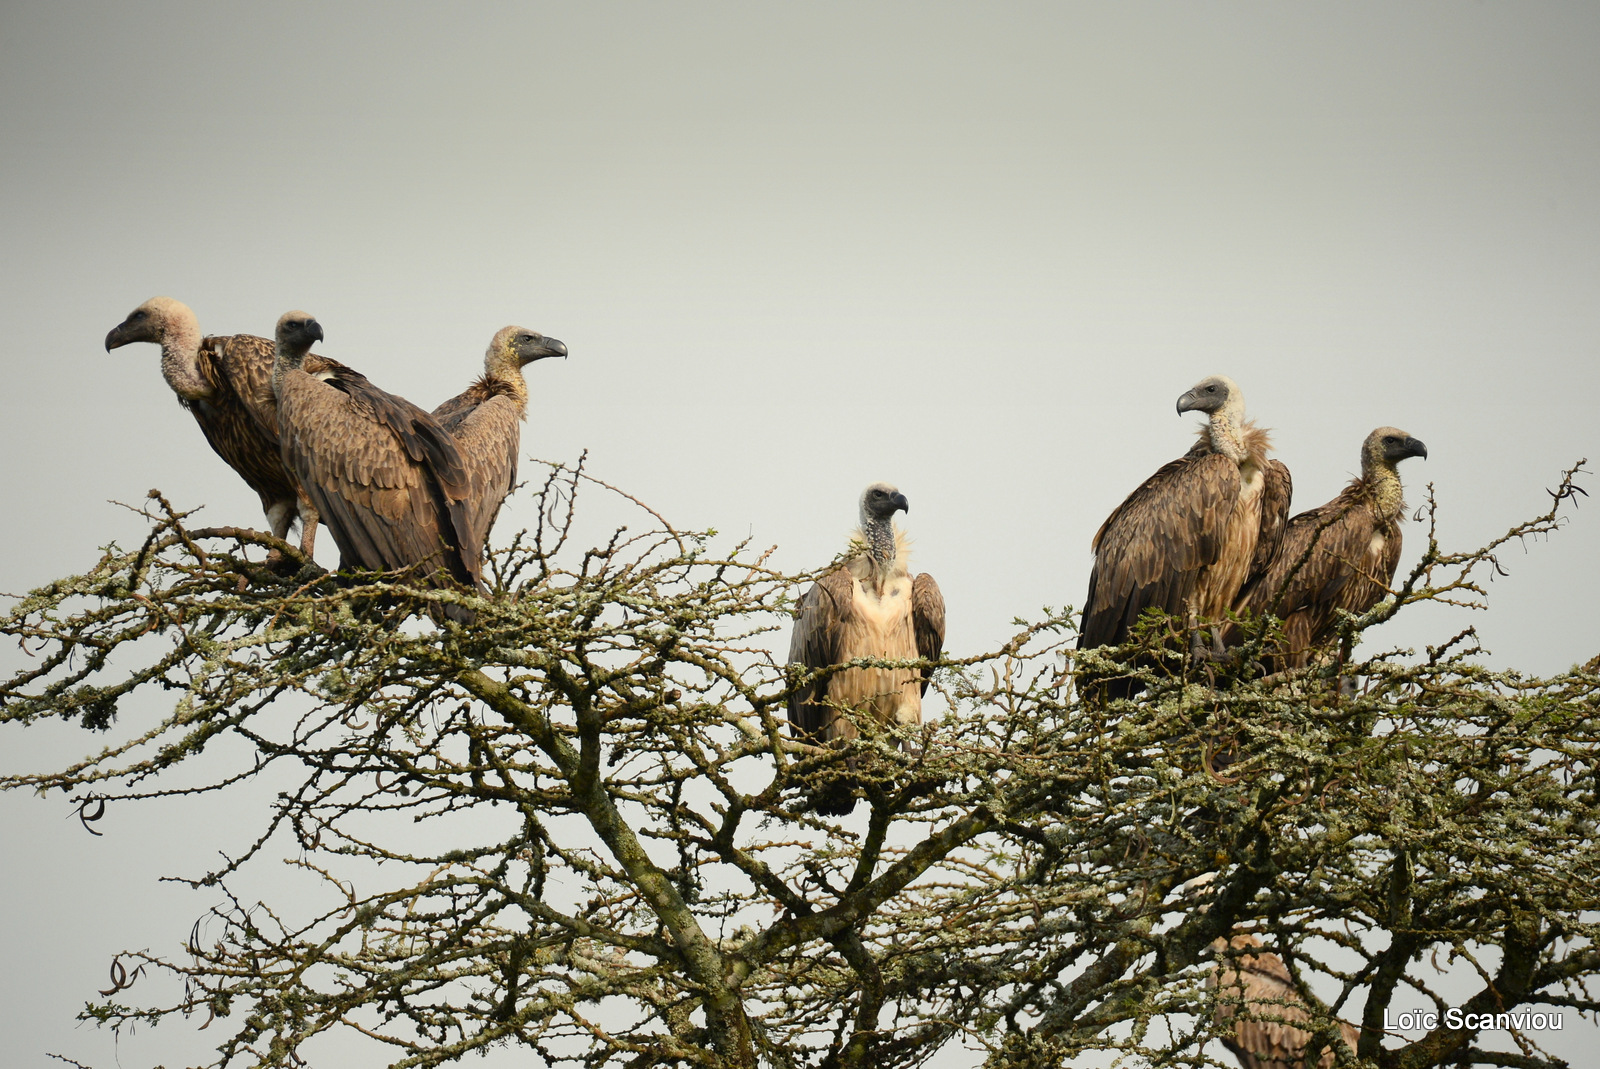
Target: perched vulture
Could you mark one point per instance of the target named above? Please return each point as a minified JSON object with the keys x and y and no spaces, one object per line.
{"x":486,"y":420}
{"x":386,"y":478}
{"x":868,"y":606}
{"x":1260,"y":985}
{"x":1193,"y":533}
{"x":1341,"y":555}
{"x":227,"y":383}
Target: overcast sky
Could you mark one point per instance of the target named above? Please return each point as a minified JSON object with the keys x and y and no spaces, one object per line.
{"x":976,"y":251}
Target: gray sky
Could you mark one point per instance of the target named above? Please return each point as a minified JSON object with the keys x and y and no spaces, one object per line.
{"x":975,"y":251}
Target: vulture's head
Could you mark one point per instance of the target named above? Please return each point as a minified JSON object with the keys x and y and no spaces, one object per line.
{"x":1388,"y":446}
{"x":156,"y":320}
{"x":296,"y":333}
{"x":1212,"y":395}
{"x":517,"y":347}
{"x":879,"y":503}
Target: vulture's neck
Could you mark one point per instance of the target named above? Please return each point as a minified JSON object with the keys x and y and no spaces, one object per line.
{"x":284,"y":362}
{"x":1237,"y":439}
{"x":180,"y":361}
{"x":508,"y":382}
{"x":1226,"y":432}
{"x":1384,"y":491}
{"x":884,"y":547}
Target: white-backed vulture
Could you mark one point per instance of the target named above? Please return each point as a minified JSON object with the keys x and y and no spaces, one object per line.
{"x":1193,"y":533}
{"x":486,"y":419}
{"x":1338,"y":556}
{"x":1263,"y":1036}
{"x":226,"y":381}
{"x":868,"y":606}
{"x":386,"y":478}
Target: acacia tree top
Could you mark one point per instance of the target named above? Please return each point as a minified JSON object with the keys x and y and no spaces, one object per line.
{"x":630,"y":872}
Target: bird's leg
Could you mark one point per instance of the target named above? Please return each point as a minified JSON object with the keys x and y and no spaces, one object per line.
{"x":1200,"y":652}
{"x":906,"y":722}
{"x":309,"y":518}
{"x":280,"y":517}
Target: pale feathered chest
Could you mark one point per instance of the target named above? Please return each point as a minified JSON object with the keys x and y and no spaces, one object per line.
{"x":881,"y":601}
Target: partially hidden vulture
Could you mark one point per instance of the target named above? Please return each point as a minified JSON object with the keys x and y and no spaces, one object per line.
{"x":486,"y":420}
{"x":387,"y":479}
{"x":1338,"y":556}
{"x":1193,"y":533}
{"x":1256,"y":993}
{"x":868,"y":606}
{"x":226,"y":381}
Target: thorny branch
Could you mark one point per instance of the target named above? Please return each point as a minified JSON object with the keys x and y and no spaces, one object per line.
{"x":634,"y":875}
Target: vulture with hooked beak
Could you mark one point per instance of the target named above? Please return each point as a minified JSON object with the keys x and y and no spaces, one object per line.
{"x":486,"y":420}
{"x":1193,"y":533}
{"x":386,"y":478}
{"x":1338,"y":556}
{"x":869,"y":606}
{"x":226,"y":381}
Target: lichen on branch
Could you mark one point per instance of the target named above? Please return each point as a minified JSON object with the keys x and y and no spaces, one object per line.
{"x":581,"y":825}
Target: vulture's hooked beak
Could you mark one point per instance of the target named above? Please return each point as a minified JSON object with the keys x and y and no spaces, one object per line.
{"x":115,"y":339}
{"x":547,"y":347}
{"x":1415,"y":448}
{"x":1188,"y":402}
{"x":314,"y":330}
{"x":900,"y":502}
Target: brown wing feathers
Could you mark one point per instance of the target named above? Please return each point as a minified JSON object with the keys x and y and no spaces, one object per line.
{"x":396,"y":489}
{"x":1326,"y":563}
{"x":239,"y":432}
{"x":1149,"y":552}
{"x":927,"y":618}
{"x":1276,"y":491}
{"x":488,"y":435}
{"x":389,"y":482}
{"x":1340,"y":556}
{"x":451,"y":413}
{"x":816,"y":644}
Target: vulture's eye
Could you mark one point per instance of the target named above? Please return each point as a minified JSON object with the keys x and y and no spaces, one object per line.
{"x":526,"y":337}
{"x":1389,"y":439}
{"x":140,"y":314}
{"x":1211,"y":389}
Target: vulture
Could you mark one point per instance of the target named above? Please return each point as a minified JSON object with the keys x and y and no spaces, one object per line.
{"x":385,"y":477}
{"x":1338,"y":556}
{"x":227,"y":383}
{"x":1260,"y":984}
{"x":485,"y":419}
{"x":867,"y":606}
{"x":1193,"y":533}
